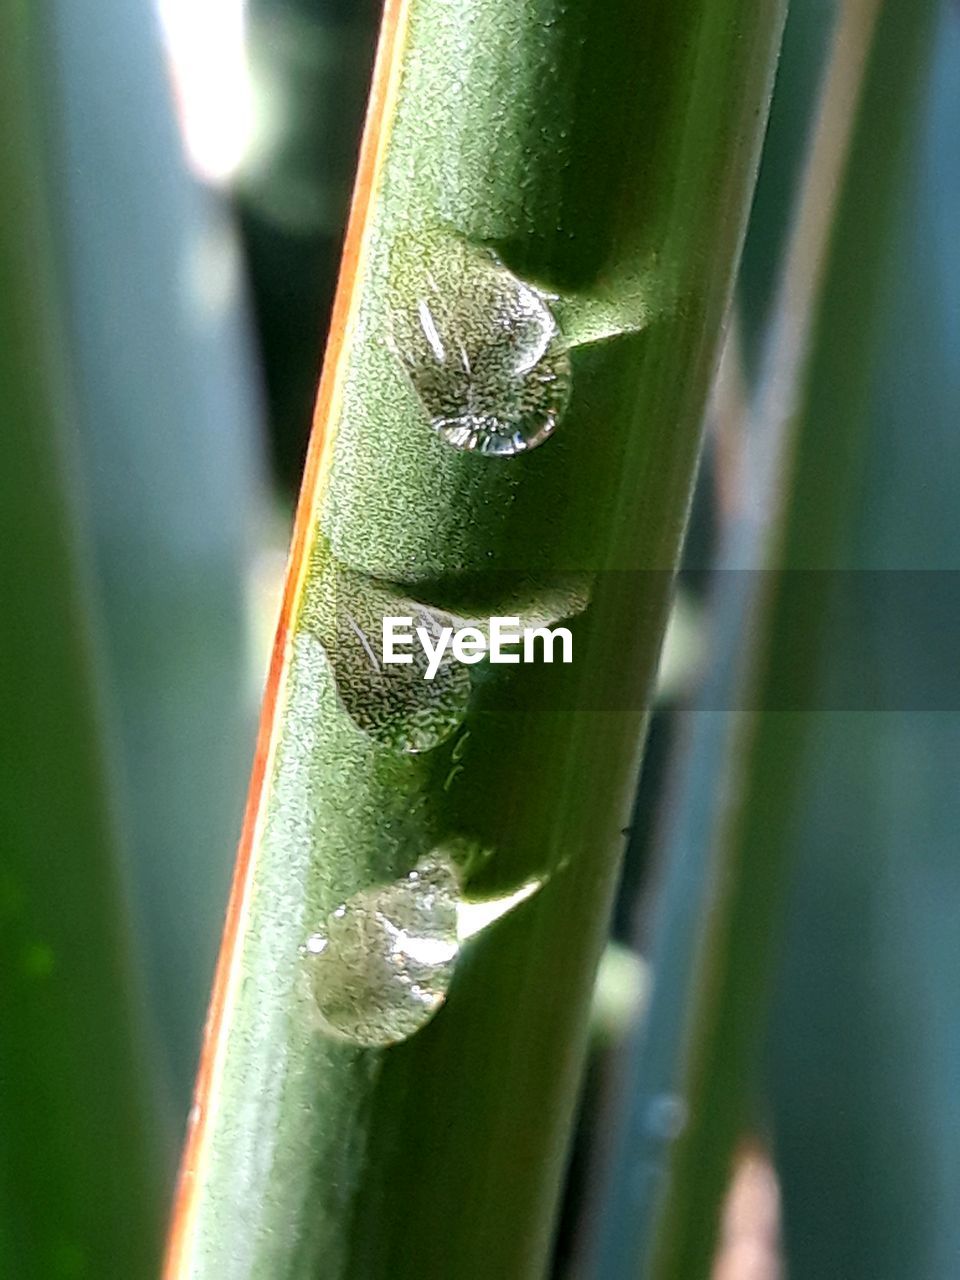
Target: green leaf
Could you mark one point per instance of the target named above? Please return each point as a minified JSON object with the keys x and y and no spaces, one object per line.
{"x":166,"y":424}
{"x":80,"y":1182}
{"x":757,"y":732}
{"x":570,"y":181}
{"x":864,"y":1045}
{"x":806,"y":46}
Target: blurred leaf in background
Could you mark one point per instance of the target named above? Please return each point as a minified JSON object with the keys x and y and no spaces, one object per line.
{"x":81,"y":1143}
{"x":806,"y":44}
{"x":865,"y":1053}
{"x":167,"y":429}
{"x":310,"y":63}
{"x":750,"y":764}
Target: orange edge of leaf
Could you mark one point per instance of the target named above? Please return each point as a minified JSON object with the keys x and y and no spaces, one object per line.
{"x":379,"y":113}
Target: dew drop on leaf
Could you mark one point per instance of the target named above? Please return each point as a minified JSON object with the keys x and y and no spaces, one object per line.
{"x":393,"y":703}
{"x":380,"y":968}
{"x":482,"y":348}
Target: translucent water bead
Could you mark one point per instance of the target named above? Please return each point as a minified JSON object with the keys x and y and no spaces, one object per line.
{"x":393,"y":703}
{"x":481,"y":347}
{"x":381,"y":967}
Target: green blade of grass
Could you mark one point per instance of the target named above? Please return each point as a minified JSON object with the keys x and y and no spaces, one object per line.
{"x":806,"y":45}
{"x":165,"y":416}
{"x":80,"y":1185}
{"x":726,"y":845}
{"x":864,"y":1050}
{"x":606,"y":154}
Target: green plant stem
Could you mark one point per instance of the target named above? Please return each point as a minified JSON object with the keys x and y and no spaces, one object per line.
{"x":607,"y":154}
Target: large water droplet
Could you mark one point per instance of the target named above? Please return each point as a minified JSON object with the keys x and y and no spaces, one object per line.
{"x":381,"y":967}
{"x":481,"y":347}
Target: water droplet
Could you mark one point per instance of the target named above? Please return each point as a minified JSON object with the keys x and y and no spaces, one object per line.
{"x":381,"y":968}
{"x":387,"y":958}
{"x":481,"y":347}
{"x":393,"y":703}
